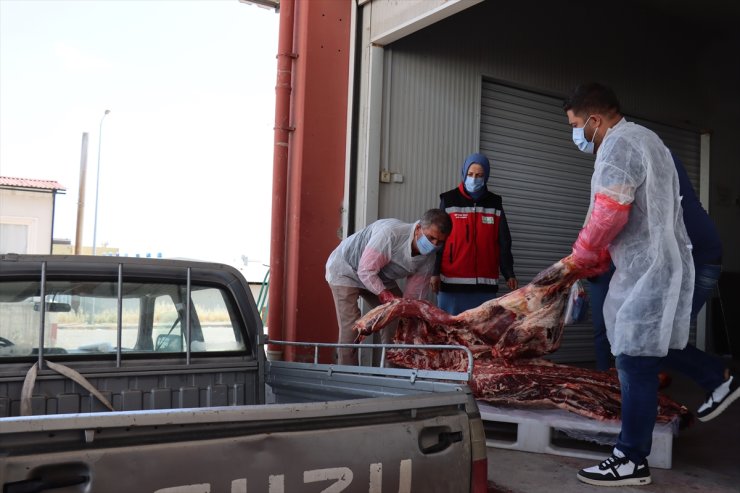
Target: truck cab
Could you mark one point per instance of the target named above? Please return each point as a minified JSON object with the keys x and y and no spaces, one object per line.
{"x":110,"y":366}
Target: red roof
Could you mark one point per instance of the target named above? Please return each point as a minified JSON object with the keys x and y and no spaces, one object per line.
{"x":7,"y":181}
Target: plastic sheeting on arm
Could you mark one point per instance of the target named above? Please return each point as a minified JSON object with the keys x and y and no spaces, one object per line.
{"x":370,"y":264}
{"x":607,"y":219}
{"x":417,"y":286}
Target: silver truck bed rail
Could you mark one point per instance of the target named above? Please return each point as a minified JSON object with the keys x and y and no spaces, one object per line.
{"x":412,"y":373}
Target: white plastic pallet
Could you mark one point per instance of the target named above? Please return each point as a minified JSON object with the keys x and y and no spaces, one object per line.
{"x":535,"y":430}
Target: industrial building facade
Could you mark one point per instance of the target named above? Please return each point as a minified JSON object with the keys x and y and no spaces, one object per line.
{"x":430,"y":81}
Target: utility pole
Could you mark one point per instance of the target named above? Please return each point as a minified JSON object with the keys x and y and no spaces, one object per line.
{"x":97,"y":183}
{"x":81,"y":197}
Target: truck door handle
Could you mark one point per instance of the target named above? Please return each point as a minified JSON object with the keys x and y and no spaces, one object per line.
{"x":445,"y":439}
{"x":38,"y":485}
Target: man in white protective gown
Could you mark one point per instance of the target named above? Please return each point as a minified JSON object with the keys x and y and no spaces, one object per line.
{"x":368,"y":263}
{"x":635,"y":218}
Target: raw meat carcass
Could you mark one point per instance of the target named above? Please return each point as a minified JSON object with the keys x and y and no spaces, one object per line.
{"x":506,"y":336}
{"x":539,"y":383}
{"x":524,"y":323}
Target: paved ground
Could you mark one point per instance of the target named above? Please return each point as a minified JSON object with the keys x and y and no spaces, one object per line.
{"x":706,"y":458}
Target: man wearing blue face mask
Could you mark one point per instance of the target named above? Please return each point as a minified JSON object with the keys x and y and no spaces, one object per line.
{"x":479,"y":248}
{"x":368,"y":264}
{"x":635,"y":218}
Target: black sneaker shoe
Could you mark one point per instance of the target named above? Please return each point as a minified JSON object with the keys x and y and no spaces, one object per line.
{"x":617,"y":470}
{"x":719,"y":399}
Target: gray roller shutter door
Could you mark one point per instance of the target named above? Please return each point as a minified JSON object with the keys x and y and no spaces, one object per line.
{"x":545,"y":181}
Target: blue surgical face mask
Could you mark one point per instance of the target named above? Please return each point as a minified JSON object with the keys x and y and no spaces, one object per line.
{"x":580,"y":140}
{"x":425,"y":246}
{"x":473,"y":184}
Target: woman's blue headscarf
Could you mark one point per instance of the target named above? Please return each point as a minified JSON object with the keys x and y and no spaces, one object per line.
{"x":477,"y":158}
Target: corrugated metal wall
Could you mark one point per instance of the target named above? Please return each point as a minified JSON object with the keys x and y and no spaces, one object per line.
{"x":544,"y":181}
{"x":431,"y":123}
{"x":432,"y":94}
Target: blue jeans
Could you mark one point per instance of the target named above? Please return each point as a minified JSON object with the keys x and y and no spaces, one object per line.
{"x":704,"y":369}
{"x":705,"y":280}
{"x":599,"y":285}
{"x":638,"y":380}
{"x":455,"y":303}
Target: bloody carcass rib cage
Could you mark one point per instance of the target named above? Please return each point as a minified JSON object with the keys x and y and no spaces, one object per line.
{"x":506,"y":336}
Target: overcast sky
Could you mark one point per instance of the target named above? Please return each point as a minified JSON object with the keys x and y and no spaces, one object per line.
{"x":186,"y":154}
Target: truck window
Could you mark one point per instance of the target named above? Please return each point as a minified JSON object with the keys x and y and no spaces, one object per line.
{"x":82,"y":318}
{"x":212,"y":327}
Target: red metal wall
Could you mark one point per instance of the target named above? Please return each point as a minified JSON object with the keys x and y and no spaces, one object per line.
{"x":315,"y":174}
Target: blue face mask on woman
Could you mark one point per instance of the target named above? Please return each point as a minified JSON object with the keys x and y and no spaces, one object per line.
{"x":473,"y":184}
{"x":580,"y":140}
{"x":425,"y":246}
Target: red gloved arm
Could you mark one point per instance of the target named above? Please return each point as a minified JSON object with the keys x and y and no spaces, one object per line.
{"x":386,"y":295}
{"x":608,"y":218}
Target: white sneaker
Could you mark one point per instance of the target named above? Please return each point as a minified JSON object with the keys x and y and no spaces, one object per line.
{"x":719,"y":399}
{"x":617,"y":470}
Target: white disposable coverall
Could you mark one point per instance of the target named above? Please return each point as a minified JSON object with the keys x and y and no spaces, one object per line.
{"x":378,"y":255}
{"x":648,"y":304}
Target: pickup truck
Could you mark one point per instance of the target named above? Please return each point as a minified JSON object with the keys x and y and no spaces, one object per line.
{"x":149,"y":375}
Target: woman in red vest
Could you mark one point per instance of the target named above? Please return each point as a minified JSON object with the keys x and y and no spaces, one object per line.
{"x":479,"y":248}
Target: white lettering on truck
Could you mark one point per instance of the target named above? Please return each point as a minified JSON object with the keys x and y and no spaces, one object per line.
{"x":342,"y":477}
{"x":277,"y":484}
{"x":404,"y":477}
{"x":376,"y":478}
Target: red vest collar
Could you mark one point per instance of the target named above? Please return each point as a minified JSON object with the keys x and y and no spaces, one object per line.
{"x":461,"y":187}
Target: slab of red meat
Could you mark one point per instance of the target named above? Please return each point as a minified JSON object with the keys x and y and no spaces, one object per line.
{"x":524,"y":323}
{"x":506,"y":335}
{"x":539,"y":383}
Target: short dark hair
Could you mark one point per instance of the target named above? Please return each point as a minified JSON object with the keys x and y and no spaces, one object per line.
{"x":592,"y":98}
{"x":439,"y":218}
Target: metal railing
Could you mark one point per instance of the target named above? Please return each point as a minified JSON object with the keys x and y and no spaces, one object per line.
{"x":385,"y":347}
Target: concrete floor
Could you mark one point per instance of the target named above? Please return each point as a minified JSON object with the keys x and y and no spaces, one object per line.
{"x":706,"y":458}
